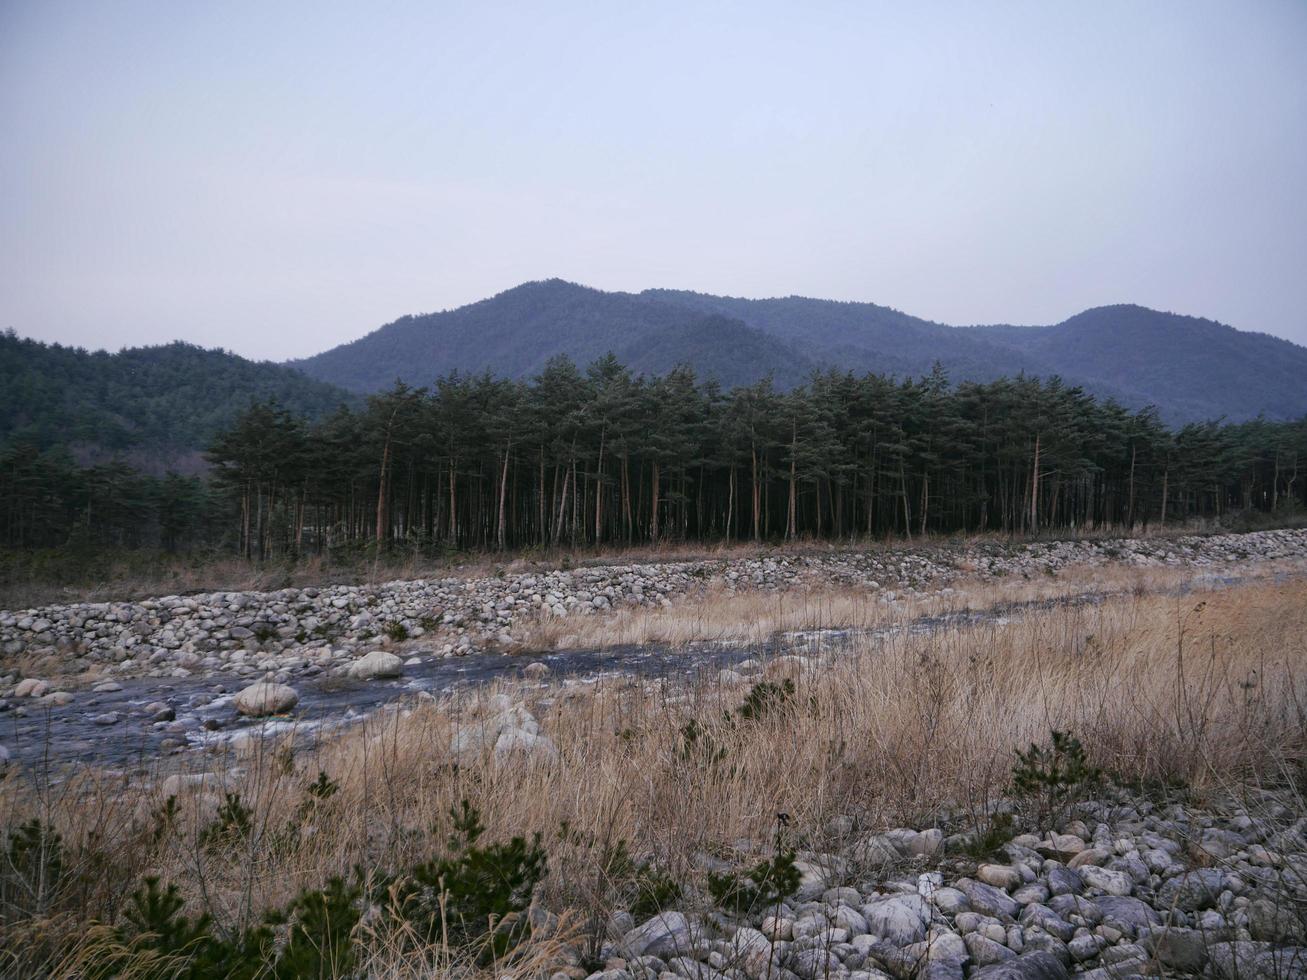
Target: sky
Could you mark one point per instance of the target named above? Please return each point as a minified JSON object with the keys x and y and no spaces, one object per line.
{"x":276,"y":178}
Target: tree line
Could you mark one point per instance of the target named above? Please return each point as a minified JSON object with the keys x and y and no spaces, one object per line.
{"x":601,"y":456}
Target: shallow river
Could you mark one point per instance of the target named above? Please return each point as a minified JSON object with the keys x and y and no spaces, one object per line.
{"x":54,"y":738}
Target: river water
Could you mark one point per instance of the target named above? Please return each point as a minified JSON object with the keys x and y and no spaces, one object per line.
{"x":49,"y":740}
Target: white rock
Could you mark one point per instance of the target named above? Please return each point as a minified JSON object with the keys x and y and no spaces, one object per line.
{"x":30,"y":687}
{"x":264,"y":698}
{"x":375,"y":666}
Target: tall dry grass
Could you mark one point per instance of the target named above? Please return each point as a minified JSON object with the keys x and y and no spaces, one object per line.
{"x":1195,"y":691}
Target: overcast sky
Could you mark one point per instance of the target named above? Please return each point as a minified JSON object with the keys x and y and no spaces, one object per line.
{"x":276,"y":178}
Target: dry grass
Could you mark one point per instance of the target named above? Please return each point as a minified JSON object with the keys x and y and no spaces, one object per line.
{"x":720,"y":614}
{"x":901,"y":729}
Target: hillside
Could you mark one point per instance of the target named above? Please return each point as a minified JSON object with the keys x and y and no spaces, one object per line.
{"x":1192,"y":369}
{"x":515,"y":333}
{"x":159,"y":407}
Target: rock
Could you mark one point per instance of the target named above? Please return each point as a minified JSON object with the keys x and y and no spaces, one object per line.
{"x":1109,"y":882}
{"x":851,"y":920}
{"x":1192,"y":891}
{"x":1277,"y":922}
{"x":376,"y":665}
{"x":1085,"y":948}
{"x":518,"y":742}
{"x":1048,"y":920}
{"x":950,"y":901}
{"x":755,"y":953}
{"x":1064,"y":881}
{"x":1245,"y":960}
{"x":926,"y":843}
{"x":1094,"y":855}
{"x":536,"y":671}
{"x":1127,"y":914}
{"x":31,"y":687}
{"x":1184,"y":950}
{"x":1038,"y":965}
{"x":900,"y":920}
{"x":1063,"y":847}
{"x":987,"y":899}
{"x":108,"y":718}
{"x":1000,"y":876}
{"x":986,"y":952}
{"x":264,"y":698}
{"x":813,"y":964}
{"x":160,"y":711}
{"x":666,"y":934}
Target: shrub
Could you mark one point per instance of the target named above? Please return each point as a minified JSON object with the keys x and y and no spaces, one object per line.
{"x":765,"y":885}
{"x":33,"y":870}
{"x":765,"y":697}
{"x":1054,"y":776}
{"x":476,"y":895}
{"x":396,"y":631}
{"x":233,"y":823}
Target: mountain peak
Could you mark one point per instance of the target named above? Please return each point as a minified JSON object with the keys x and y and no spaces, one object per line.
{"x":1192,"y":369}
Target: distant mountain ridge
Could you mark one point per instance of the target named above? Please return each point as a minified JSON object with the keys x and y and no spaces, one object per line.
{"x":1192,"y":369}
{"x":156,"y":407}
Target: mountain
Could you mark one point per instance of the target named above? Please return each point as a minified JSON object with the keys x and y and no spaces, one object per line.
{"x":515,"y":334}
{"x":1192,"y":369}
{"x":157,"y":407}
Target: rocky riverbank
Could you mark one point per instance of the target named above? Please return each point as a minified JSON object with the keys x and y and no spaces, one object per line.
{"x":305,"y":632}
{"x":1129,"y":887}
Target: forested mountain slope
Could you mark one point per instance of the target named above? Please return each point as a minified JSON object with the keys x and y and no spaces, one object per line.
{"x":515,"y":333}
{"x":1192,"y":369}
{"x":158,"y":406}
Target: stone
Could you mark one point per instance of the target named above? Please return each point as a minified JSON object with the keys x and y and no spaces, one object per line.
{"x":377,"y":665}
{"x":1037,"y":965}
{"x":813,"y":964}
{"x":1048,"y":920}
{"x":899,"y":920}
{"x":264,"y":698}
{"x":987,"y":899}
{"x":106,"y":719}
{"x":31,"y":687}
{"x":536,"y":671}
{"x":1000,"y":876}
{"x":1184,"y":950}
{"x":1243,"y":960}
{"x":664,"y":935}
{"x":1108,"y":882}
{"x":160,"y":711}
{"x":1192,"y":891}
{"x":950,"y":901}
{"x":1277,"y":922}
{"x":926,"y":843}
{"x":518,"y":742}
{"x":1127,"y":914}
{"x":1093,"y":855}
{"x":986,"y":952}
{"x":1064,"y":881}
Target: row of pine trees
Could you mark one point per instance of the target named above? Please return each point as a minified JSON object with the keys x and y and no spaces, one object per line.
{"x":601,"y":457}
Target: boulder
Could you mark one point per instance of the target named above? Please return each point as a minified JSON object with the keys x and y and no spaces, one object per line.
{"x":667,"y":934}
{"x":376,"y":665}
{"x":899,"y":920}
{"x":987,"y":899}
{"x":265,"y":698}
{"x":1038,"y":965}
